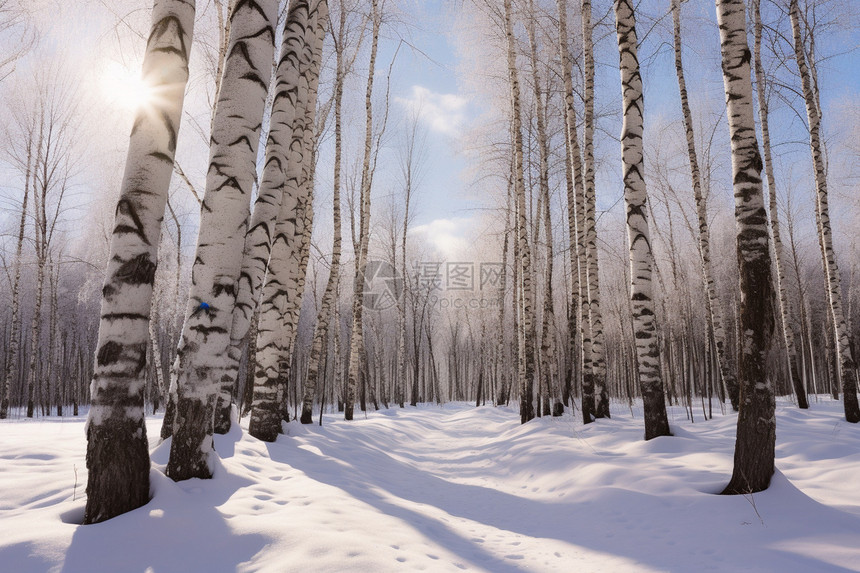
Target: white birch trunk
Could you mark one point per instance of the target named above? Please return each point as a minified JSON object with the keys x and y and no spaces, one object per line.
{"x":117,"y":448}
{"x":326,"y":313}
{"x":638,"y":238}
{"x":282,"y":291}
{"x":292,"y":66}
{"x":756,"y":435}
{"x":714,"y":312}
{"x":847,"y":367}
{"x":356,"y":346}
{"x":575,"y":195}
{"x":547,"y":350}
{"x":527,"y":354}
{"x":155,"y":350}
{"x":202,"y":354}
{"x":596,"y":351}
{"x":784,"y":305}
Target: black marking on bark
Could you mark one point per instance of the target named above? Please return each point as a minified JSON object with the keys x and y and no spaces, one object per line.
{"x":124,"y":316}
{"x":207,"y":330}
{"x":109,"y":353}
{"x":254,"y":77}
{"x":162,"y":157}
{"x":137,"y":271}
{"x":171,"y":131}
{"x":127,"y":208}
{"x":161,"y":28}
{"x":239,"y":140}
{"x":229,"y":182}
{"x":218,"y":289}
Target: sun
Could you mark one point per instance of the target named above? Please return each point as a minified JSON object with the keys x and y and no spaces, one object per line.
{"x":124,"y":88}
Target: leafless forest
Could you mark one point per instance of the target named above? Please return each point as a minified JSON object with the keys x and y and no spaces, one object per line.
{"x":664,"y":208}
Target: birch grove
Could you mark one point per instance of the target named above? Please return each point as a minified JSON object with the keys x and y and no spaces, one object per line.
{"x":847,"y":366}
{"x":15,"y":335}
{"x":715,"y":314}
{"x":764,"y":122}
{"x":526,"y":260}
{"x":327,"y":311}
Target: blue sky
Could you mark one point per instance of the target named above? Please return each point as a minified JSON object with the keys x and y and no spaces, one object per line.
{"x":445,"y":197}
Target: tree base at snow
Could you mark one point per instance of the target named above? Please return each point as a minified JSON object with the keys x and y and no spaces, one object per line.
{"x":307,"y":417}
{"x":192,"y":440}
{"x":265,"y":421}
{"x":222,"y":416}
{"x":754,"y":448}
{"x":118,"y":465}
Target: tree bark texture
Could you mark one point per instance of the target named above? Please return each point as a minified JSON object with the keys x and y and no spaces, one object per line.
{"x":638,"y":238}
{"x":756,"y":434}
{"x":202,"y":354}
{"x":117,"y":449}
{"x":527,"y":354}
{"x":281,"y":293}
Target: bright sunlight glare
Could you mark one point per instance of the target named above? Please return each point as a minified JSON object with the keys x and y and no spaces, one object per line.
{"x":123,"y":88}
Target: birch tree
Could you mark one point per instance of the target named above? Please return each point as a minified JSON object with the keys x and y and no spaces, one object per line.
{"x":281,"y":293}
{"x":575,"y":196}
{"x":596,"y":351}
{"x":638,"y":238}
{"x":292,"y":65}
{"x":847,"y":367}
{"x":764,"y":122}
{"x":356,"y":346}
{"x":756,"y":434}
{"x":411,"y":161}
{"x":547,"y":349}
{"x":714,"y":312}
{"x":527,"y":348}
{"x":117,"y":448}
{"x":15,"y":334}
{"x":329,"y":301}
{"x":201,"y":357}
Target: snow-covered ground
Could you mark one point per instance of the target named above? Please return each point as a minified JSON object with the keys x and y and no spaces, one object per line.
{"x":448,"y":489}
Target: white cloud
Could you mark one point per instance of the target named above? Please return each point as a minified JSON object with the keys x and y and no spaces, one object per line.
{"x":447,"y":236}
{"x":442,"y":113}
